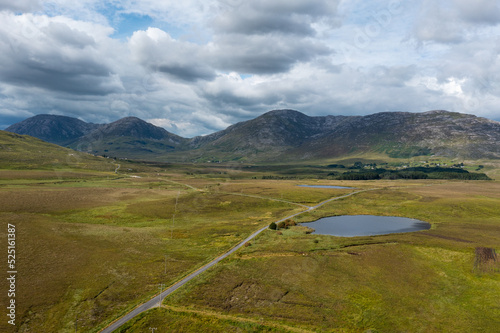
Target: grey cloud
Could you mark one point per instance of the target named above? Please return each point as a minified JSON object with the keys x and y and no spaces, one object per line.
{"x":157,"y":51}
{"x":438,"y":24}
{"x":54,"y":59}
{"x":229,"y":99}
{"x":20,"y":5}
{"x":479,"y":11}
{"x":269,"y":37}
{"x":449,"y":21}
{"x":68,"y":36}
{"x":391,"y":76}
{"x":284,"y":17}
{"x":70,"y":82}
{"x":314,"y":9}
{"x":264,"y":54}
{"x":263,"y":23}
{"x":186,"y":72}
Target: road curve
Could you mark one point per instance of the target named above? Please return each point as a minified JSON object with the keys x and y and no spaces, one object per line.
{"x":156,"y":300}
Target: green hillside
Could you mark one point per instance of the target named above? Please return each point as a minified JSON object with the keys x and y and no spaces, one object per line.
{"x":23,"y":152}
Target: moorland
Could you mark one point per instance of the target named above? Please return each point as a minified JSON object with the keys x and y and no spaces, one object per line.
{"x":96,"y":237}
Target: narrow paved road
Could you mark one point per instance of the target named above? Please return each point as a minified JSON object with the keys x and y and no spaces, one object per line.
{"x":155,"y":301}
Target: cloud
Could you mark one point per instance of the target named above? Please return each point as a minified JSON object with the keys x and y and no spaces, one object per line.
{"x":258,"y":54}
{"x":439,"y":21}
{"x":452,"y":21}
{"x":196,"y":66}
{"x":65,"y":35}
{"x":263,"y":23}
{"x":259,"y":17}
{"x":267,"y":37}
{"x":479,"y":11}
{"x":158,"y":51}
{"x":43,"y":52}
{"x":284,"y":17}
{"x":20,"y":5}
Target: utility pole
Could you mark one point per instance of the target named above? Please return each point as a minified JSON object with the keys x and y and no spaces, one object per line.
{"x":161,"y":289}
{"x":165,"y":265}
{"x":172,"y":229}
{"x":76,"y":324}
{"x":173,"y":215}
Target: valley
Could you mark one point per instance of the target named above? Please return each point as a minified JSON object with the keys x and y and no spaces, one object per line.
{"x":93,"y":245}
{"x":97,"y":237}
{"x":250,"y":166}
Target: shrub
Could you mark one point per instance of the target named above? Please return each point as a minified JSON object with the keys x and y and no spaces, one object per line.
{"x":273,"y":226}
{"x":287,"y":223}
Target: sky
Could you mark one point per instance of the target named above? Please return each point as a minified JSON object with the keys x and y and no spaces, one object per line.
{"x":195,"y":67}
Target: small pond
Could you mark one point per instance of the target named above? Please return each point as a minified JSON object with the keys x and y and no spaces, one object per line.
{"x":324,"y":186}
{"x":365,"y":225}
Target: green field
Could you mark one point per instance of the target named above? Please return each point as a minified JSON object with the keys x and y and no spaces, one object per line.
{"x":417,"y":282}
{"x":92,"y":244}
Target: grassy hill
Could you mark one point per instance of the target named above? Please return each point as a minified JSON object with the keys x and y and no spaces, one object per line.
{"x":23,"y":152}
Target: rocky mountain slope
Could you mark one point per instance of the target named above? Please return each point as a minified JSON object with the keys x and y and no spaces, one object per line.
{"x":60,"y":130}
{"x":129,"y":137}
{"x":288,"y":135}
{"x":402,"y":134}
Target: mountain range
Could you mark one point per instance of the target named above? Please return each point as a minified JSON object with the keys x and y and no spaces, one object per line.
{"x":280,"y":135}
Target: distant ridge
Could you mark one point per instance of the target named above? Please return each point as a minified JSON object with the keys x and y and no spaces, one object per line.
{"x":134,"y":127}
{"x":288,"y":135}
{"x":60,"y":130}
{"x":129,"y":137}
{"x":283,"y":136}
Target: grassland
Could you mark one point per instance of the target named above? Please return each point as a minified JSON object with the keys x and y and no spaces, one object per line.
{"x":23,"y":152}
{"x":418,"y":282}
{"x":93,"y":244}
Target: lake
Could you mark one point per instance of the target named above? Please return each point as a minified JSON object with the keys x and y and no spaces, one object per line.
{"x":365,"y":225}
{"x":324,"y":186}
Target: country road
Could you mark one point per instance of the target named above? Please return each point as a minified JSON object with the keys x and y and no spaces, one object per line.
{"x":155,"y":301}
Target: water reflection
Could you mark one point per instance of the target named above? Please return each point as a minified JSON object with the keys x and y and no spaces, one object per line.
{"x":365,"y":225}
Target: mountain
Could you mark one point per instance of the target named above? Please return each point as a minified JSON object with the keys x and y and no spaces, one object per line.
{"x":287,"y":135}
{"x":291,"y":136}
{"x":272,"y":134}
{"x":129,"y":137}
{"x":403,"y":135}
{"x":60,"y":130}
